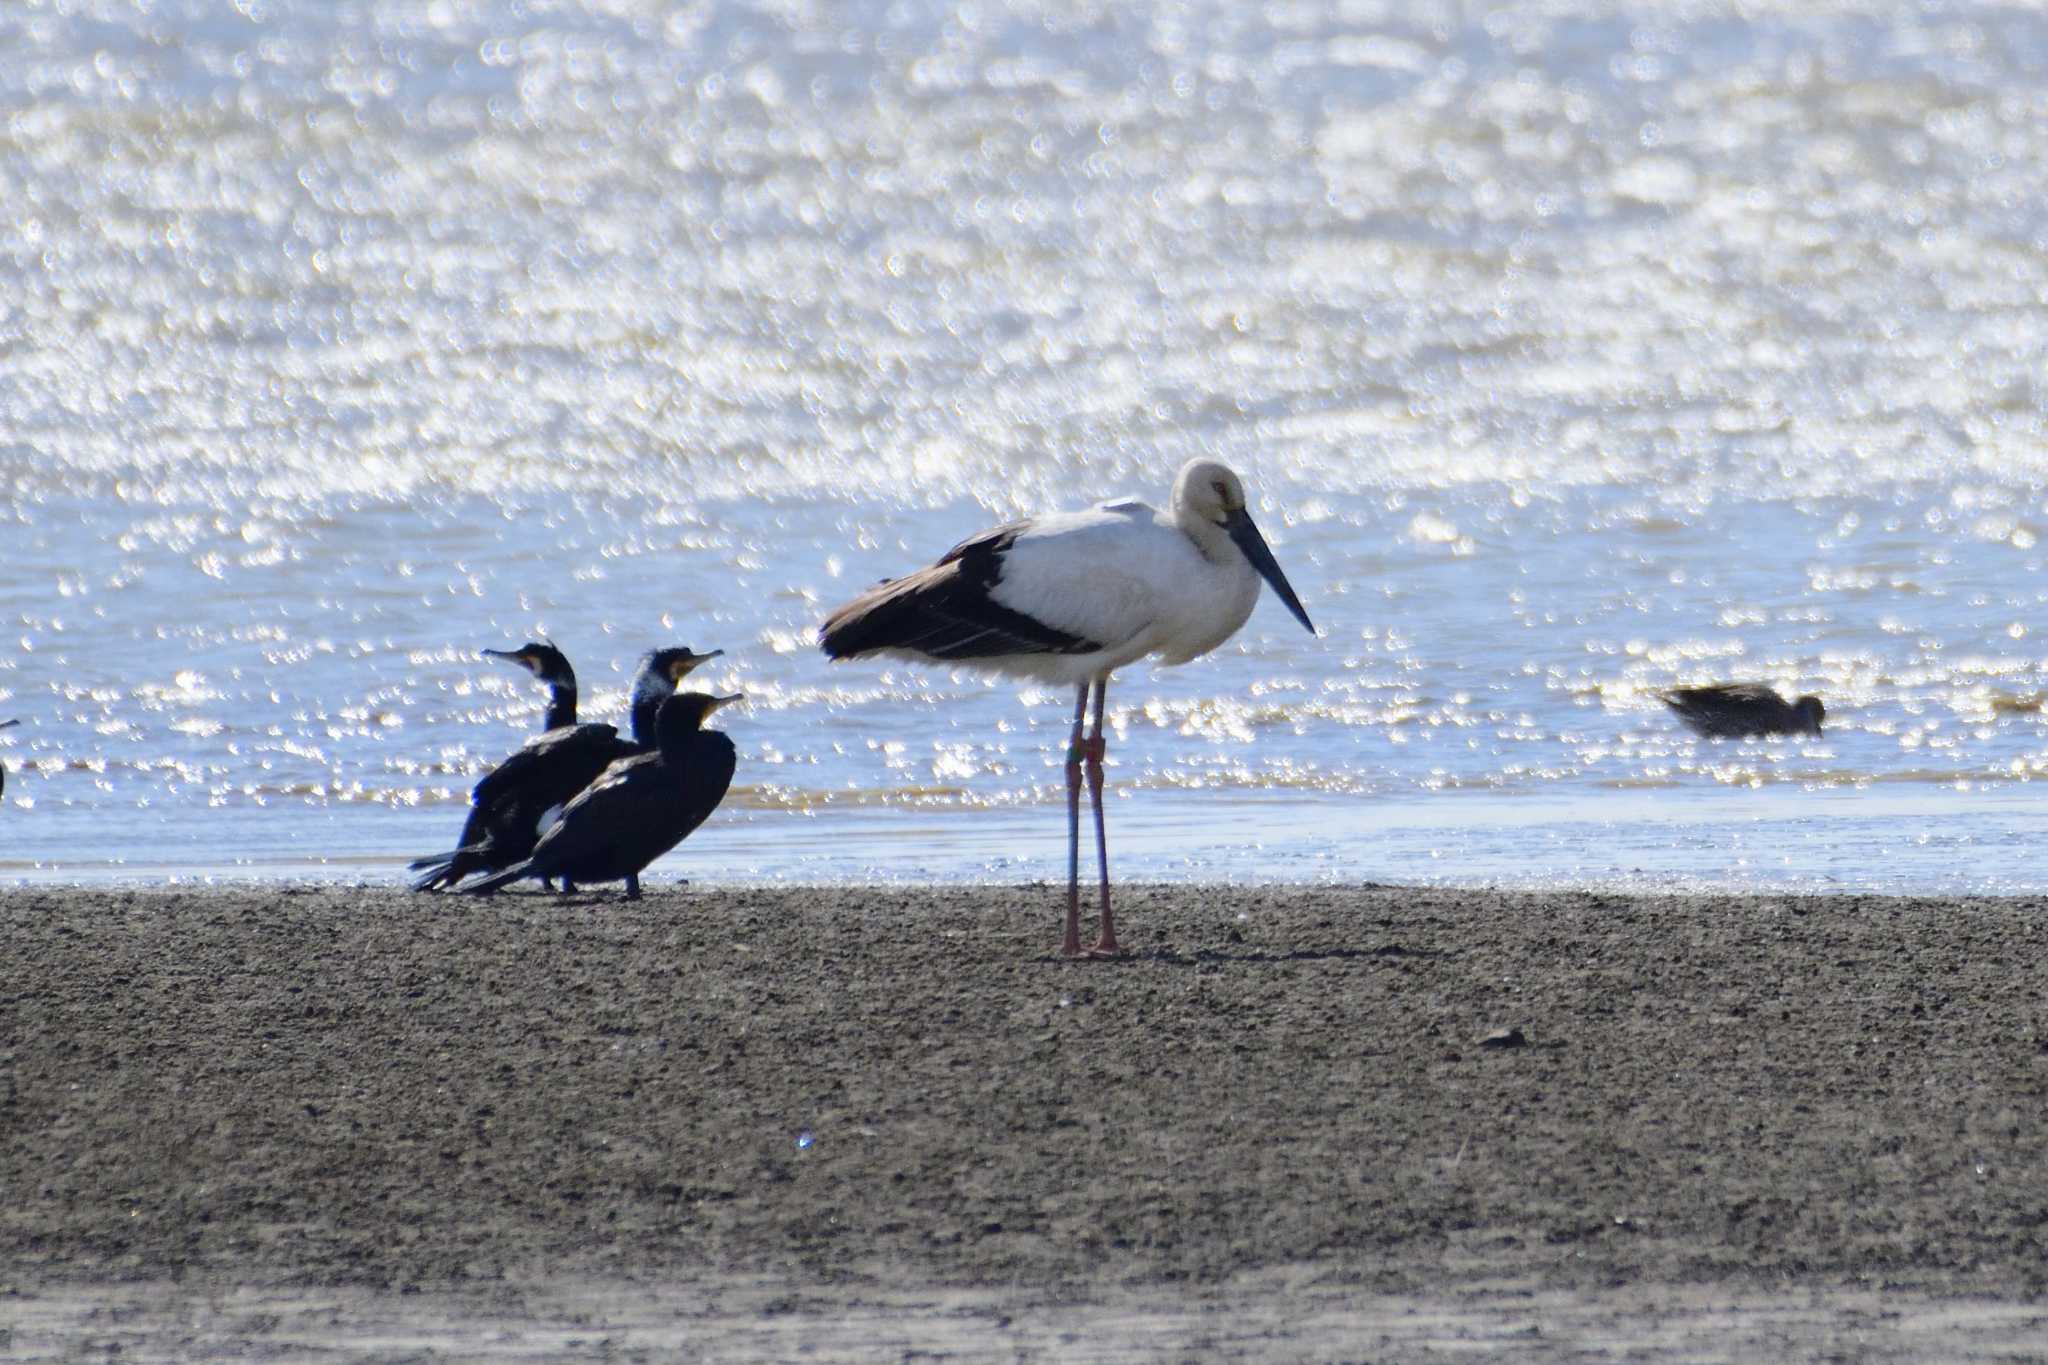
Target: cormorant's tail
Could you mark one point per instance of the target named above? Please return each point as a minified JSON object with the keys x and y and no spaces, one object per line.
{"x":498,"y":879}
{"x":440,"y":871}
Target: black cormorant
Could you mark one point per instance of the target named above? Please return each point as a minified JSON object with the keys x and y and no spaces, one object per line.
{"x":640,"y":809}
{"x":1743,"y":711}
{"x":516,"y":801}
{"x":551,"y":666}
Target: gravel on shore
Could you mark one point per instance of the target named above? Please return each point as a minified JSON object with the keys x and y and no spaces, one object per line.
{"x":1378,"y":1092}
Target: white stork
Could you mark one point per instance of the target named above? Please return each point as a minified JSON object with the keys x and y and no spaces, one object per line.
{"x":1069,"y":598}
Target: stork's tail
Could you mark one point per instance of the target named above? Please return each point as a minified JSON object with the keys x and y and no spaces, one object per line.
{"x":498,"y":879}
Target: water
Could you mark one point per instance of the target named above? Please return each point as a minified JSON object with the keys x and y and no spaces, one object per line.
{"x":1570,"y":352}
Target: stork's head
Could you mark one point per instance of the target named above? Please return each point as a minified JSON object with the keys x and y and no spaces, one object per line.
{"x":1208,"y":493}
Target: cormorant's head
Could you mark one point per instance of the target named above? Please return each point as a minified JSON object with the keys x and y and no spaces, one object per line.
{"x":1809,"y":710}
{"x":661,"y":670}
{"x":694,"y":708}
{"x":540,"y":658}
{"x":675,"y":663}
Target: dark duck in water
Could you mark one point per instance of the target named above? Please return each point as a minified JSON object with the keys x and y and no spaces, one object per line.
{"x":1743,"y":711}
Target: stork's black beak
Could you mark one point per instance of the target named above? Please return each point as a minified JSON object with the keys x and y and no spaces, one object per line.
{"x":1245,"y":533}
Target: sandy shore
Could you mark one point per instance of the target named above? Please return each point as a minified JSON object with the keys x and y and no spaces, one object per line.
{"x":283,"y":1118}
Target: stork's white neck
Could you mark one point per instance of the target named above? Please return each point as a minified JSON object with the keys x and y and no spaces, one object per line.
{"x":1212,"y":540}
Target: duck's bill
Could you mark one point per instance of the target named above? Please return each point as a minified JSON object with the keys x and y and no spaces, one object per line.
{"x":1246,"y":533}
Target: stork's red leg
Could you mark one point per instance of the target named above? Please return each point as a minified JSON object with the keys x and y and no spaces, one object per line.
{"x":1071,"y":946}
{"x":1097,"y":746}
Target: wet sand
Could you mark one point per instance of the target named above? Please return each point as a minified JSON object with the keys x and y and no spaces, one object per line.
{"x":851,"y":1121}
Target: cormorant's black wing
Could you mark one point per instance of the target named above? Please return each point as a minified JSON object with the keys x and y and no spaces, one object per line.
{"x":607,"y":810}
{"x":553,"y":759}
{"x":707,"y":776}
{"x":640,"y":809}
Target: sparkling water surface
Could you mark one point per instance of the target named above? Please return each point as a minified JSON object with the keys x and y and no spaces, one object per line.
{"x":1570,"y":352}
